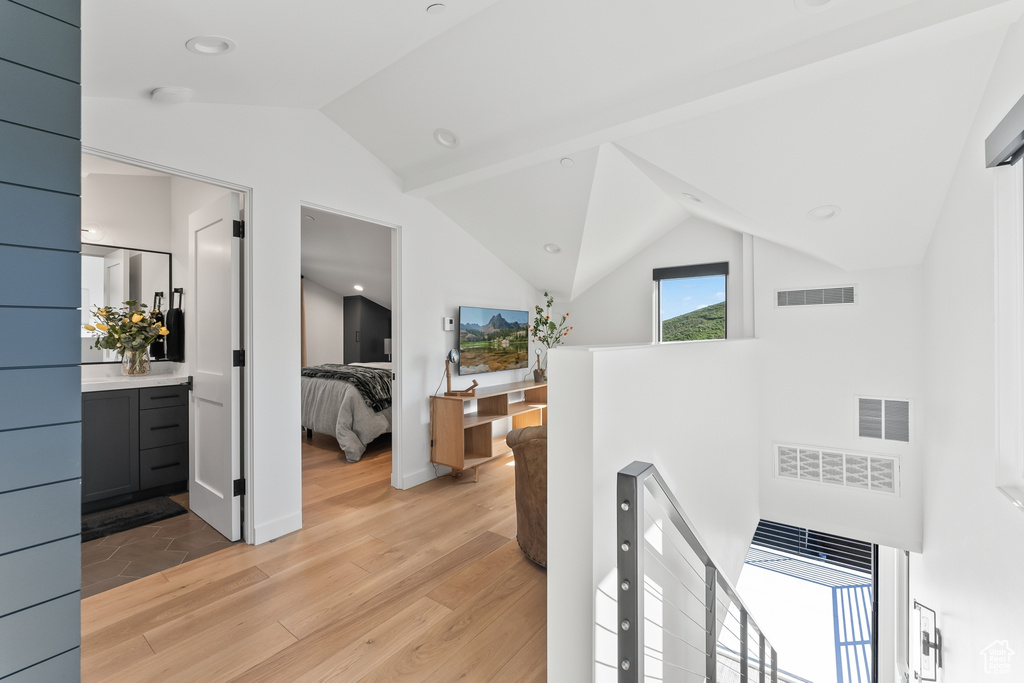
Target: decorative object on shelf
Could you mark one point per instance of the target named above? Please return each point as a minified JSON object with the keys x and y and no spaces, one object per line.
{"x":548,"y":334}
{"x":175,"y":322}
{"x":453,"y":357}
{"x":127,"y":330}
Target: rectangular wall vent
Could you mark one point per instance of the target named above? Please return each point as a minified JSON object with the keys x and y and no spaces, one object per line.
{"x":879,"y":473}
{"x":883,"y":418}
{"x":816,"y":297}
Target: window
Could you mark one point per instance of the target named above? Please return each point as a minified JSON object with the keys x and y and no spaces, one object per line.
{"x":690,"y":302}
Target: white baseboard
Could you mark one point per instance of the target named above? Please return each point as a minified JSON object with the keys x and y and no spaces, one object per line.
{"x":277,"y":528}
{"x":419,"y":477}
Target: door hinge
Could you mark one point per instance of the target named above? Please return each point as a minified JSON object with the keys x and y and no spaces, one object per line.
{"x":238,"y":487}
{"x":238,"y":229}
{"x":189,"y":384}
{"x":238,"y":358}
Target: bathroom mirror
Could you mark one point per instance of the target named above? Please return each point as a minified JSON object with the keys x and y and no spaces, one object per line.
{"x":112,"y":275}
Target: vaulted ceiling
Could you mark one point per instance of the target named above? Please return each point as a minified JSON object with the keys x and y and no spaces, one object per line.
{"x":598,"y":126}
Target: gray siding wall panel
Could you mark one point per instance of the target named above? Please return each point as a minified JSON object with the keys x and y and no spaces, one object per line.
{"x":41,"y":571}
{"x":66,"y":10}
{"x":33,"y":457}
{"x":40,"y":42}
{"x":37,"y":218}
{"x":64,"y":667}
{"x":56,"y":110}
{"x":27,"y":637}
{"x":40,"y":396}
{"x":41,"y":278}
{"x":49,"y":336}
{"x":40,"y":460}
{"x":40,"y":515}
{"x":37,"y":159}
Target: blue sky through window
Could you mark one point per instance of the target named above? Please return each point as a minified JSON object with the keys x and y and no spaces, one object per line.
{"x":683,"y":295}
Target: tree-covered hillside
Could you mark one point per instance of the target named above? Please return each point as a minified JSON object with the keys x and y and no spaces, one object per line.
{"x":704,"y":323}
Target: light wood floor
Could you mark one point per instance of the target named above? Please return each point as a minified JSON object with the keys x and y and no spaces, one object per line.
{"x":380,"y":585}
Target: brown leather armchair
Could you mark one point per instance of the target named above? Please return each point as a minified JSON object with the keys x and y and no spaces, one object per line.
{"x":530,"y":449}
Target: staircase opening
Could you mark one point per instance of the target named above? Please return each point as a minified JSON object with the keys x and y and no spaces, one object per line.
{"x":817,"y":595}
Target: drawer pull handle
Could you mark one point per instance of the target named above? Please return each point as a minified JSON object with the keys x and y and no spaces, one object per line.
{"x":164,"y":467}
{"x":157,"y":398}
{"x":153,"y":429}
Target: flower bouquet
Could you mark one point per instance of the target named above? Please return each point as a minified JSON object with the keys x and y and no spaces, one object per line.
{"x":128,"y":330}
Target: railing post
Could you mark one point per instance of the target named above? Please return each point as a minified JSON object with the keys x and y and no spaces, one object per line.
{"x":775,"y":667}
{"x":744,"y":648}
{"x":711,"y":623}
{"x":760,"y":657}
{"x":630,"y":518}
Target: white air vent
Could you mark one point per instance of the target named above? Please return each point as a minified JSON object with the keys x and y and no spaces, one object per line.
{"x":816,"y":297}
{"x":883,"y":418}
{"x":879,"y":473}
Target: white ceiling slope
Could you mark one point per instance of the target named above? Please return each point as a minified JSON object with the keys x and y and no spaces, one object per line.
{"x":340,"y":252}
{"x":763,"y":109}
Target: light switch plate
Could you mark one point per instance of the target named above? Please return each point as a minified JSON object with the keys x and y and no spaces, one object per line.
{"x":449,"y":324}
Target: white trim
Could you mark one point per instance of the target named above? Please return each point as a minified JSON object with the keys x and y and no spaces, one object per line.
{"x":1009,"y":330}
{"x":398,"y":478}
{"x":276,"y":528}
{"x":248,"y":502}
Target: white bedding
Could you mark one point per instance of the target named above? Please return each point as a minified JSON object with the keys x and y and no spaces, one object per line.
{"x":331,"y":406}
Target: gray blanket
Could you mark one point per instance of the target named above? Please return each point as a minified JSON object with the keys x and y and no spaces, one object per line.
{"x":334,"y":407}
{"x":373,"y":383}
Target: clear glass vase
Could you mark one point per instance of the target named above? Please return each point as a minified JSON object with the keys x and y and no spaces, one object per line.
{"x":135,"y":362}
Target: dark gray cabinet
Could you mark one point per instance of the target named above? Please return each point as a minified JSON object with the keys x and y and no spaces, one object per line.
{"x":367,"y":325}
{"x":133,"y":440}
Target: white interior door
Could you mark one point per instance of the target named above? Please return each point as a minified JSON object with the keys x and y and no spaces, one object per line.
{"x":212,"y":326}
{"x":115,"y":278}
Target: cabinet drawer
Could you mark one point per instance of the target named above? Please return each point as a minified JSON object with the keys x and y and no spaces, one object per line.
{"x":159,"y":466}
{"x":162,"y":397}
{"x":163,"y":427}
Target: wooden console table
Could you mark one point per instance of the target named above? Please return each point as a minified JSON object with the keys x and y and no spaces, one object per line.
{"x":465,"y":441}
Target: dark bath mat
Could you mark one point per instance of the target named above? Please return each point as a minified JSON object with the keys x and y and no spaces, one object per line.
{"x":106,"y":522}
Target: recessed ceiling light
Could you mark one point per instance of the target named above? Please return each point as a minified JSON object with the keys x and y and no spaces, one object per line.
{"x":824,"y":212}
{"x":811,"y":6}
{"x":567,"y":162}
{"x":690,"y":197}
{"x":358,"y":288}
{"x":552,"y":248}
{"x":210,"y":45}
{"x":446,"y":138}
{"x":170,"y":95}
{"x":436,"y":8}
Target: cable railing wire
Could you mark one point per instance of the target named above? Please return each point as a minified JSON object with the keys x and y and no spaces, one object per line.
{"x":720,"y":614}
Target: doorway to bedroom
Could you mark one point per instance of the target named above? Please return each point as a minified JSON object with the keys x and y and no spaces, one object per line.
{"x":348,"y":342}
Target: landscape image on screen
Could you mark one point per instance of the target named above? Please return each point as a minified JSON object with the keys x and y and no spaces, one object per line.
{"x":693,"y":308}
{"x":492,"y":339}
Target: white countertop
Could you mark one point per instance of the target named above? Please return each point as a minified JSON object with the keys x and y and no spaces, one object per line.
{"x":126,"y":382}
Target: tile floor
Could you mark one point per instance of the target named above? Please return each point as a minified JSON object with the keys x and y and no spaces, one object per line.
{"x":123,"y":557}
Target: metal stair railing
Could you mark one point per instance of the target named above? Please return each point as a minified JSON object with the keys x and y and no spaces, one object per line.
{"x":677,"y":612}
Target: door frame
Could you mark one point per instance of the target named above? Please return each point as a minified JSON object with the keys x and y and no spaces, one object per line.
{"x":246,"y":390}
{"x":397,"y":463}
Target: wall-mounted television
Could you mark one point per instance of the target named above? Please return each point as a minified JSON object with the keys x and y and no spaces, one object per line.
{"x":492,"y":340}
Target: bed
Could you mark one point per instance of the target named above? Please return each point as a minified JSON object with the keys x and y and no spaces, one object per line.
{"x":352,"y":402}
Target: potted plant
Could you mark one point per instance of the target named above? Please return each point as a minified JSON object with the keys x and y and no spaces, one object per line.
{"x":547,"y":333}
{"x":127,"y":330}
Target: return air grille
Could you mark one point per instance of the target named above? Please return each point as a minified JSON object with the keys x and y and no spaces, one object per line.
{"x":883,"y":418}
{"x":816,"y":297}
{"x":879,"y":473}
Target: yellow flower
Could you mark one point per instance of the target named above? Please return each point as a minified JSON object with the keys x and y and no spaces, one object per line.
{"x":164,"y":331}
{"x":90,"y":328}
{"x":137,"y":318}
{"x":102,"y":327}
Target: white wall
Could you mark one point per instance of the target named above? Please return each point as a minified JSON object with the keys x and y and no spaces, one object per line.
{"x":290,"y":157}
{"x":691,"y":409}
{"x":131,"y":210}
{"x":970,"y":572}
{"x":619,"y":309}
{"x":325,"y":324}
{"x":816,"y":361}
